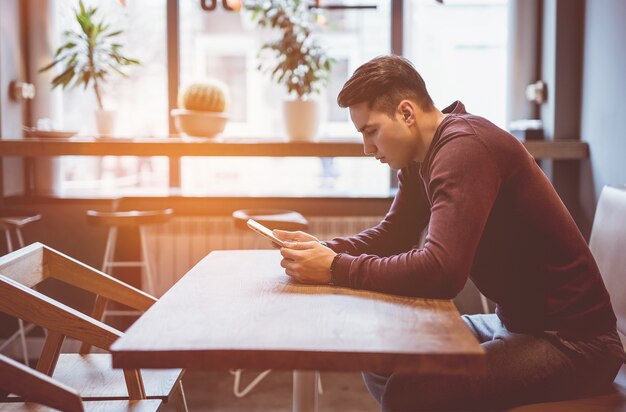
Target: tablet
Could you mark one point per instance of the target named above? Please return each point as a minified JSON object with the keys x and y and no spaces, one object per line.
{"x":263,"y":231}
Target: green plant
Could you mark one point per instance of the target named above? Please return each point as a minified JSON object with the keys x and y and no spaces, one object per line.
{"x":89,"y":55}
{"x":301,"y":64}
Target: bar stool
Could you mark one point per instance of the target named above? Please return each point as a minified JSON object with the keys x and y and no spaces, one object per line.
{"x":11,"y":223}
{"x":131,"y":218}
{"x":272,"y":219}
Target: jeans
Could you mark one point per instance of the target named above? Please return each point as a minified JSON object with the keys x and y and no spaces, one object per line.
{"x":521,"y":368}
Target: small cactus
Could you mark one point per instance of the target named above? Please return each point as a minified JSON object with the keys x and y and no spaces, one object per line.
{"x":209,"y":96}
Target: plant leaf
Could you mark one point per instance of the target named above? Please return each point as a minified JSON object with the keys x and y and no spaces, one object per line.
{"x":51,"y":65}
{"x":64,"y":78}
{"x":115,"y":33}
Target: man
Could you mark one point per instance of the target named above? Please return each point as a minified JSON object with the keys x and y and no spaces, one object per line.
{"x":493,"y":216}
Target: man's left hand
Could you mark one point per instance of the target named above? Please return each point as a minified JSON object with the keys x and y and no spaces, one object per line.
{"x":307,"y":262}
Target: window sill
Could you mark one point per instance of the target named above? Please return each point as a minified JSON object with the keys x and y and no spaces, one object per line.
{"x":178,"y":147}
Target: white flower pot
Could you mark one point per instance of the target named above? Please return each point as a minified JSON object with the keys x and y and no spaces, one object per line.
{"x":105,"y":122}
{"x":301,"y":119}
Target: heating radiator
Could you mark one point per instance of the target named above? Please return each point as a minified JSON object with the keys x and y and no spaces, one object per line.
{"x":177,"y":246}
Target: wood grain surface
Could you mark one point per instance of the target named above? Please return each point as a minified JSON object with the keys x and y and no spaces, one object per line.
{"x":46,"y":394}
{"x":145,"y":405}
{"x":93,"y":378}
{"x":237,"y":309}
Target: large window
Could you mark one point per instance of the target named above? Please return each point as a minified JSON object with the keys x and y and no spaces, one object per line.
{"x":459,"y":47}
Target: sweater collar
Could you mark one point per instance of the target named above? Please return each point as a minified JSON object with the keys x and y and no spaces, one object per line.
{"x":455,"y":108}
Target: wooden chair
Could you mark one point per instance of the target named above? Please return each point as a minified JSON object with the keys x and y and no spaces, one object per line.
{"x":44,"y":393}
{"x":608,"y":245}
{"x":90,"y":374}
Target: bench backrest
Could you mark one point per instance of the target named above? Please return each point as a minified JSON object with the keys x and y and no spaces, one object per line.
{"x":608,"y":245}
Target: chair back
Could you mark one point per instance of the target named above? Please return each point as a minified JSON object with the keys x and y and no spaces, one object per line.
{"x":37,"y":262}
{"x":608,"y":245}
{"x":26,"y":267}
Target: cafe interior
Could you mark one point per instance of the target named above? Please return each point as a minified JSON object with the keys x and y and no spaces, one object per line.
{"x":137,"y":137}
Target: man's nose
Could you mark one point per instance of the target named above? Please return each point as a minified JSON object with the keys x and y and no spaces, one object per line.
{"x":369,"y":149}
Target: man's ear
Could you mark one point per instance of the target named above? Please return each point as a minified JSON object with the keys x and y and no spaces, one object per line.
{"x":406,"y":111}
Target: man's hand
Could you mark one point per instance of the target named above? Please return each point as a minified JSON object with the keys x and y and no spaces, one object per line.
{"x":305,"y":258}
{"x":298,"y":236}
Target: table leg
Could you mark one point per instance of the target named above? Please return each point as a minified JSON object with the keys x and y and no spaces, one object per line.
{"x":305,"y":391}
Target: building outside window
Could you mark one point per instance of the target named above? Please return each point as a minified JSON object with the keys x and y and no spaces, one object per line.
{"x":460,"y":48}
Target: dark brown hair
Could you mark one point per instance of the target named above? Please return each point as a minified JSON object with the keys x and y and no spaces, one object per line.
{"x":383,"y":83}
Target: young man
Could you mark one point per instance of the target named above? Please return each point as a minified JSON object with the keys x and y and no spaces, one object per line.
{"x":492,"y":216}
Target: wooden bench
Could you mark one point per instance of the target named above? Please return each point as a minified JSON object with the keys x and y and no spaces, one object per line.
{"x":46,"y":394}
{"x":90,"y":375}
{"x":608,"y":245}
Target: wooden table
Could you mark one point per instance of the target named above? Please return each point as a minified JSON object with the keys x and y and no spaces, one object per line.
{"x":237,"y":309}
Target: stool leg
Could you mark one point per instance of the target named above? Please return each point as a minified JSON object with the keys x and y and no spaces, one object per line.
{"x":19,"y":333}
{"x":320,"y":389}
{"x":109,"y":250}
{"x":240,"y":393}
{"x":23,"y":331}
{"x":20,"y":239}
{"x":145,"y":258}
{"x":7,"y":235}
{"x":20,"y":323}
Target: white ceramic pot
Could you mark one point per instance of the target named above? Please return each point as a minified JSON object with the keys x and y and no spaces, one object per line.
{"x":105,"y":122}
{"x":301,"y":119}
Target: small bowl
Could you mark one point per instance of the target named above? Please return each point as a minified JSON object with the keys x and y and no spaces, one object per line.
{"x":198,"y":123}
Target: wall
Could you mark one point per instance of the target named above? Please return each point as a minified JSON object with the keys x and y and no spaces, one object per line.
{"x":561,"y":70}
{"x":11,"y":69}
{"x":603,"y":122}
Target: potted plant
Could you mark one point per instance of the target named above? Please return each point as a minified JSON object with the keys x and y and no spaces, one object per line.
{"x":298,"y":61}
{"x":89,"y":57}
{"x":201,"y":109}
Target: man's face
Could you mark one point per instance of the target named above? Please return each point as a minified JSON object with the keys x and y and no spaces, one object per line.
{"x":390,"y":140}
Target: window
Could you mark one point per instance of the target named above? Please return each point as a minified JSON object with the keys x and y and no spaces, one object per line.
{"x":140,"y":101}
{"x":460,"y":48}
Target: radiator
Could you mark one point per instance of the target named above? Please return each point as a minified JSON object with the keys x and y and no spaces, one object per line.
{"x":177,"y":246}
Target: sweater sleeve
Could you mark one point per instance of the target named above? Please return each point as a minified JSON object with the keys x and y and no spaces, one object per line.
{"x":463,"y":185}
{"x":401,"y":228}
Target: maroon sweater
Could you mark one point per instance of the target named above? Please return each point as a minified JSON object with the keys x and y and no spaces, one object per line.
{"x":493,"y":216}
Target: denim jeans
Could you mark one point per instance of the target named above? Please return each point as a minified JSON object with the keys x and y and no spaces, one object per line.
{"x":521,"y":368}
